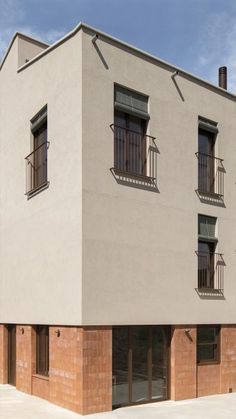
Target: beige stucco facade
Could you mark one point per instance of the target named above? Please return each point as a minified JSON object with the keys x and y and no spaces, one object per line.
{"x":89,"y":250}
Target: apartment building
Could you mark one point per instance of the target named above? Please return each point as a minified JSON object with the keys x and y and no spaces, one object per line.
{"x":117,"y":225}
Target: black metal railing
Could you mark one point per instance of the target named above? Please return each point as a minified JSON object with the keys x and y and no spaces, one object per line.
{"x":134,"y":153}
{"x":36,"y":168}
{"x":210,"y":175}
{"x":210,"y":271}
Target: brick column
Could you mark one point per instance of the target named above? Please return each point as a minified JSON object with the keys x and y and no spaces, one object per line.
{"x":228,"y":358}
{"x":97,"y":369}
{"x":25,"y":357}
{"x":3,"y":354}
{"x":183,"y":362}
{"x":80,"y":368}
{"x":65,"y":367}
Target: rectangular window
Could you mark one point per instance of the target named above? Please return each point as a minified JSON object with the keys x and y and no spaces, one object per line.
{"x":42,"y":350}
{"x":208,"y":344}
{"x":210,"y":168}
{"x":130,"y":125}
{"x":36,"y":161}
{"x":206,"y":252}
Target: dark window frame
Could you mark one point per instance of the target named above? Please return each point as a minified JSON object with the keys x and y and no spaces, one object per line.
{"x":215,"y":344}
{"x":42,"y":350}
{"x":126,"y":135}
{"x":206,"y":259}
{"x":37,"y":160}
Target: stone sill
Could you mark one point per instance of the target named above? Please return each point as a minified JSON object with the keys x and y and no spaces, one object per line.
{"x":41,"y":377}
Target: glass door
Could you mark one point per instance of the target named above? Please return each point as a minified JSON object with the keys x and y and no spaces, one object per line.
{"x":140,"y":364}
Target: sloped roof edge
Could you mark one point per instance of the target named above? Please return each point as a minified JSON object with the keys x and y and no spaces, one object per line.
{"x":23,"y":36}
{"x":104,"y":35}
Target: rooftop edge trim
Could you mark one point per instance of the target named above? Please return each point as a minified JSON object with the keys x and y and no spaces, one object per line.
{"x":104,"y":35}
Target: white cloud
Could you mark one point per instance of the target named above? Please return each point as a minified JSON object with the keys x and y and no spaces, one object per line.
{"x":218,"y":48}
{"x":49,"y":37}
{"x":12,"y":18}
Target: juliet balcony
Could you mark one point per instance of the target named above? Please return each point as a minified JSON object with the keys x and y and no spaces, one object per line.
{"x":210,"y":271}
{"x":36,"y":169}
{"x":210,"y":175}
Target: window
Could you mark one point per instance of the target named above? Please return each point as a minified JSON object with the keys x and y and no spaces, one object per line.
{"x":208,"y":344}
{"x":36,"y":161}
{"x":207,"y":262}
{"x":130,"y":125}
{"x":210,"y":169}
{"x":42,"y":350}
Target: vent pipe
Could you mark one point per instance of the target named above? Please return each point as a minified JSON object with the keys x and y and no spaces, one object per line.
{"x":223,"y":77}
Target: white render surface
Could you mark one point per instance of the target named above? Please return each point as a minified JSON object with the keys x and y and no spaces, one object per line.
{"x":89,"y":250}
{"x":17,"y":405}
{"x":139,"y":261}
{"x":40,"y":238}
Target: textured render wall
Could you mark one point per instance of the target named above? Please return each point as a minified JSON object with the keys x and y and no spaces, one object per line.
{"x":28,"y":49}
{"x":130,"y":258}
{"x":183,"y":363}
{"x":40,"y":238}
{"x":25,"y":357}
{"x":3,"y":354}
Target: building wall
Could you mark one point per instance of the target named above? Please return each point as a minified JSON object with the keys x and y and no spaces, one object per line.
{"x":138,"y":246}
{"x":40,"y":238}
{"x":139,"y":260}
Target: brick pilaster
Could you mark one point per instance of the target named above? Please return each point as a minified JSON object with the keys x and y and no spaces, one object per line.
{"x":228,"y":358}
{"x":65,"y":367}
{"x":3,"y":354}
{"x":97,"y":369}
{"x":25,"y":357}
{"x":183,"y":362}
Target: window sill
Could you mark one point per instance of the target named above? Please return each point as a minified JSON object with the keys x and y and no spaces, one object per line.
{"x":37,"y":190}
{"x":134,"y":175}
{"x":210,"y":194}
{"x":203,"y":363}
{"x":41,"y":377}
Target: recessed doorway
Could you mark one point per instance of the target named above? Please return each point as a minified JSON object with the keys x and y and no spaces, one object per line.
{"x":140,"y":364}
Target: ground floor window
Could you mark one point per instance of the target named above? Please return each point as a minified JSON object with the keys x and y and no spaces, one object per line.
{"x":140,"y":364}
{"x":42,"y":350}
{"x":208,"y":344}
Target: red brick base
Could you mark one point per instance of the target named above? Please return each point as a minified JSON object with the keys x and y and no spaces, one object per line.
{"x":189,"y":380}
{"x":80,"y":366}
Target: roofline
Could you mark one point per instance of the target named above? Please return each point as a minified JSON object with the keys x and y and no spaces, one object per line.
{"x":23,"y":36}
{"x":104,"y":35}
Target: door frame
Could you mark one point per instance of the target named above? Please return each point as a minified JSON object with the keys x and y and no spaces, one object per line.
{"x":167,"y":331}
{"x":11,"y":328}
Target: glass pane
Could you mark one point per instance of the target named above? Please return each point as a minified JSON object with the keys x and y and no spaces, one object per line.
{"x":206,"y":353}
{"x":206,"y":335}
{"x":206,"y":142}
{"x":120,"y":391}
{"x":206,"y":226}
{"x":140,"y":343}
{"x":159,"y":364}
{"x":206,"y":163}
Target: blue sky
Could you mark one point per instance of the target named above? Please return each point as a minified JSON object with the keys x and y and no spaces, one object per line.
{"x":197,"y":35}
